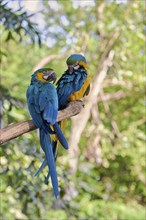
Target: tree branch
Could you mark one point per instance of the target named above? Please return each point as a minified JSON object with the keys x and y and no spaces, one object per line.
{"x":112,"y":96}
{"x":17,"y":129}
{"x":115,"y":128}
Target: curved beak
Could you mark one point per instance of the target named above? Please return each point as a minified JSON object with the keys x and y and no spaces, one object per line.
{"x":50,"y":76}
{"x":54,"y":77}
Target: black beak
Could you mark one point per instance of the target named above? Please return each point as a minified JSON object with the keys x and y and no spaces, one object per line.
{"x":50,"y":76}
{"x":54,"y":78}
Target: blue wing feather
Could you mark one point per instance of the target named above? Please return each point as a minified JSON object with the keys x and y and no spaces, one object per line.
{"x":68,"y":84}
{"x":41,"y":99}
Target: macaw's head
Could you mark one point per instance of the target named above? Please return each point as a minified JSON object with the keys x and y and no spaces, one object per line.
{"x":76,"y":61}
{"x":44,"y":75}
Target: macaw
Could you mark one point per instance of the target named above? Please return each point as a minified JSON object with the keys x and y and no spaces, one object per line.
{"x":75,"y":82}
{"x":42,"y":101}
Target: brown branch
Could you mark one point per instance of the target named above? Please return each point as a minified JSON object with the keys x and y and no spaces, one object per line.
{"x":17,"y":129}
{"x":112,"y":96}
{"x":109,"y":114}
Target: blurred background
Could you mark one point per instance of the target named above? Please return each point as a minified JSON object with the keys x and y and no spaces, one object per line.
{"x":102,"y":175}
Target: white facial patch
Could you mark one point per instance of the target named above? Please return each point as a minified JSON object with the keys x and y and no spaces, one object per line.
{"x":45,"y":77}
{"x":76,"y":67}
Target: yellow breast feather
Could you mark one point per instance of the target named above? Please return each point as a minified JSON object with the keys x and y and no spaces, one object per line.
{"x":79,"y":94}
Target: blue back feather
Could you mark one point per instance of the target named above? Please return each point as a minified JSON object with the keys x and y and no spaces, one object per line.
{"x":69,"y":83}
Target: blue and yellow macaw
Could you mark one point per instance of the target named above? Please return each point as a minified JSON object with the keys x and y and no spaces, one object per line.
{"x":75,"y":82}
{"x":42,"y":103}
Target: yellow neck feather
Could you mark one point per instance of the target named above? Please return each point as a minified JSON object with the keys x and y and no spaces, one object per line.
{"x":40,"y":77}
{"x":81,"y":63}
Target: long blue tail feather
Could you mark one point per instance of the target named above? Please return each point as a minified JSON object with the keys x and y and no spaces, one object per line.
{"x":54,"y":144}
{"x":45,"y":142}
{"x":44,"y":163}
{"x":60,"y":135}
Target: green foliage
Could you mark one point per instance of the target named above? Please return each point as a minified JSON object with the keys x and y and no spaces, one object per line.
{"x":17,"y":22}
{"x":110,"y":179}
